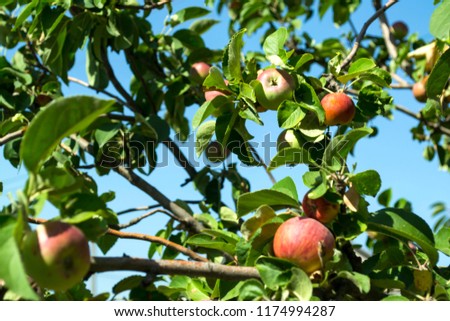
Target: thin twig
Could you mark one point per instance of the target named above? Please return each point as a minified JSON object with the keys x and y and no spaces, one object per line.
{"x":11,"y":136}
{"x":116,"y":83}
{"x":174,"y":267}
{"x":159,"y":240}
{"x":389,"y":39}
{"x":136,"y":209}
{"x":361,"y":35}
{"x":263,"y":164}
{"x":436,"y":126}
{"x":136,"y":220}
{"x":107,"y":93}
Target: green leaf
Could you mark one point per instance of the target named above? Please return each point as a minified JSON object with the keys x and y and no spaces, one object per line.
{"x":443,"y":240}
{"x":361,"y":281}
{"x":336,"y":152}
{"x":274,"y":47}
{"x":211,"y":242}
{"x":286,"y":186}
{"x":439,"y":22}
{"x":311,"y":179}
{"x":201,"y":26}
{"x":128,"y":283}
{"x":274,"y":272}
{"x":232,"y":57}
{"x":203,"y":136}
{"x":289,"y":114}
{"x":26,"y":12}
{"x":275,"y":42}
{"x":95,"y":70}
{"x":357,"y":68}
{"x":262,"y":215}
{"x":367,"y":183}
{"x":300,"y":285}
{"x":291,"y":156}
{"x":105,"y":132}
{"x":251,"y":290}
{"x":307,"y":98}
{"x":11,"y":268}
{"x":385,"y":197}
{"x":62,"y":117}
{"x":187,"y":14}
{"x":306,"y":57}
{"x":405,"y":225}
{"x":189,"y":39}
{"x":439,"y":76}
{"x":249,"y":202}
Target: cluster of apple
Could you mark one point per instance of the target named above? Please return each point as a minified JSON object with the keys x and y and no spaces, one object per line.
{"x":305,"y":241}
{"x":56,"y":255}
{"x":276,"y":86}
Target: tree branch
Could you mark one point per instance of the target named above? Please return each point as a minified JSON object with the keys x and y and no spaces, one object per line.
{"x":182,"y":160}
{"x":110,"y":72}
{"x":11,"y":136}
{"x":361,"y":35}
{"x":143,"y":216}
{"x":174,"y":267}
{"x":107,"y":93}
{"x":388,"y":37}
{"x":181,"y":214}
{"x":159,"y":240}
{"x":135,"y":209}
{"x":436,"y":126}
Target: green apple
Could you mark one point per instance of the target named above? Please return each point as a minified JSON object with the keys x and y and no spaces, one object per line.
{"x":276,"y":86}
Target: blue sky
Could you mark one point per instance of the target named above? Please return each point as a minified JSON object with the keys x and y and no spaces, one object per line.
{"x":392,"y":152}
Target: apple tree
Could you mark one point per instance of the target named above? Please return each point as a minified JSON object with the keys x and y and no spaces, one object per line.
{"x":257,"y":244}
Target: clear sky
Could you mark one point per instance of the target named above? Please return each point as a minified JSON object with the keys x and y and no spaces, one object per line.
{"x":392,"y":152}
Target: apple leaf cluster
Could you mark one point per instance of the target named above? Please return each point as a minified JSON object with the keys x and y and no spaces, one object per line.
{"x":64,"y":142}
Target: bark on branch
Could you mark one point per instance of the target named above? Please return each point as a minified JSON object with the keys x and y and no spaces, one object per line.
{"x":173,"y":267}
{"x":11,"y":136}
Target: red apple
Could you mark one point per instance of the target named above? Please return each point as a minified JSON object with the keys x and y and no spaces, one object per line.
{"x":320,"y":209}
{"x":399,"y":29}
{"x":199,"y":71}
{"x":56,"y":255}
{"x":216,"y":153}
{"x":419,"y":90}
{"x":304,"y":241}
{"x":212,"y":92}
{"x":339,"y":109}
{"x":276,"y":86}
{"x":288,"y":138}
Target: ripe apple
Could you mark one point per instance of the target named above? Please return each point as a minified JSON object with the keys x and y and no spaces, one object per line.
{"x":399,"y":29}
{"x":339,"y":109}
{"x":419,"y":90}
{"x":56,"y":255}
{"x":320,"y":209}
{"x":216,"y":153}
{"x":276,"y":86}
{"x":212,"y":92}
{"x":304,"y":241}
{"x":199,"y":71}
{"x":288,"y":138}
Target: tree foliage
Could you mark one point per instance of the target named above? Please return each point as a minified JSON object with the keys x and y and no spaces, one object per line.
{"x":212,"y":250}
